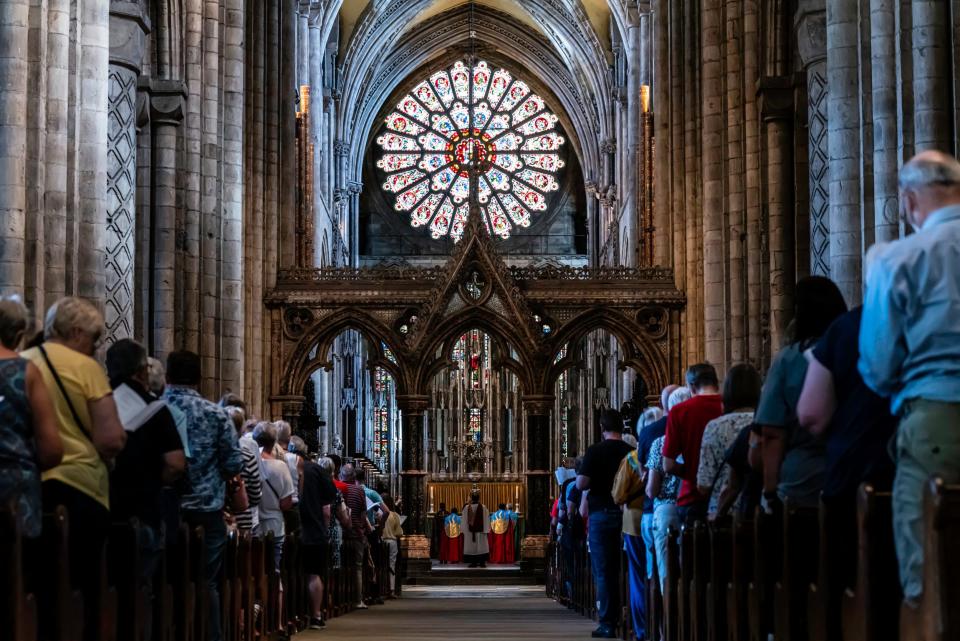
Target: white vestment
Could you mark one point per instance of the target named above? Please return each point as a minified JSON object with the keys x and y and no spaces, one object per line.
{"x":475,"y":543}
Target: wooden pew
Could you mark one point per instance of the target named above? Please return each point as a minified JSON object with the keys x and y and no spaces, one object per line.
{"x":720,"y":547}
{"x":871,"y":610}
{"x":230,"y":590}
{"x":684,"y":585}
{"x":699,"y":580}
{"x":181,"y":575}
{"x":18,"y":608}
{"x":60,"y":606}
{"x":671,"y":598}
{"x":765,"y":569}
{"x":124,"y":565}
{"x":937,"y":616}
{"x":741,"y":571}
{"x":163,"y":608}
{"x":800,"y":547}
{"x":198,"y":577}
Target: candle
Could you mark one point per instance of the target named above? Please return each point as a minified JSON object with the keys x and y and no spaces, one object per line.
{"x":431,"y":498}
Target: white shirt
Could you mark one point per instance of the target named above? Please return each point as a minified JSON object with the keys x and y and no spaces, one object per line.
{"x":277,"y":485}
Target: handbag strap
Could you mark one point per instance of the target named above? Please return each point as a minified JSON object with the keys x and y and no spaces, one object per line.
{"x":63,"y":392}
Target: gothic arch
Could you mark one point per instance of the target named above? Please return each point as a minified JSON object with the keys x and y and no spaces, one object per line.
{"x":321,"y":335}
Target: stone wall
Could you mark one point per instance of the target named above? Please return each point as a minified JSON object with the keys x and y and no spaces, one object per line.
{"x":783,"y":125}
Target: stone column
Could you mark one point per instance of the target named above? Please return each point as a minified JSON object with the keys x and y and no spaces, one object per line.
{"x":167,"y":98}
{"x":128,"y":30}
{"x":415,"y":545}
{"x":290,"y":408}
{"x":931,"y":75}
{"x":55,"y":189}
{"x":734,"y":145}
{"x":883,"y":68}
{"x":844,"y":146}
{"x":92,"y":149}
{"x":811,"y":27}
{"x":537,"y":506}
{"x":14,"y":29}
{"x":663,"y":125}
{"x":775,"y":97}
{"x":232,"y":361}
{"x":712,"y":132}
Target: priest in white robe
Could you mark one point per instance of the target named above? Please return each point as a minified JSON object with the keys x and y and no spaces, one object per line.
{"x":476,"y":526}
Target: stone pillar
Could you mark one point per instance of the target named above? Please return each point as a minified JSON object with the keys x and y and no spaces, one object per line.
{"x":663,"y":124}
{"x":931,"y":75}
{"x":128,"y":30}
{"x":537,"y":507}
{"x":734,"y":146}
{"x":92,"y":149}
{"x":14,"y":29}
{"x":712,"y":132}
{"x":775,"y":96}
{"x":231,"y":356}
{"x":290,"y":408}
{"x":883,"y":68}
{"x":55,"y":189}
{"x":415,"y":545}
{"x":812,"y":45}
{"x":167,"y":99}
{"x":843,"y":120}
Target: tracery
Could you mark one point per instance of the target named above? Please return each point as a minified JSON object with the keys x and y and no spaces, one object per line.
{"x":465,"y":115}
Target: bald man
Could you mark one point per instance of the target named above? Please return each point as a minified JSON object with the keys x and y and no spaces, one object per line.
{"x":910,"y":345}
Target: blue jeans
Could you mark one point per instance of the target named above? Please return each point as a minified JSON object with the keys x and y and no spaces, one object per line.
{"x":646,"y":530}
{"x":604,"y":536}
{"x":637,"y":557}
{"x":215,"y":540}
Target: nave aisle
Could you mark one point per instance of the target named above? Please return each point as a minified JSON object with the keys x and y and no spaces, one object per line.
{"x":470,"y":613}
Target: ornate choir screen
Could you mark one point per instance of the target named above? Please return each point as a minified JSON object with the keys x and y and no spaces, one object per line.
{"x":473,"y":372}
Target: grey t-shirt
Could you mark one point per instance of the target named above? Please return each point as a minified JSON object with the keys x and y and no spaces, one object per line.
{"x":803,"y":470}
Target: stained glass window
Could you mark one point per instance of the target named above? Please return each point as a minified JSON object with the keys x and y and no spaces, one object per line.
{"x":383,"y":400}
{"x":475,"y":423}
{"x":458,"y":116}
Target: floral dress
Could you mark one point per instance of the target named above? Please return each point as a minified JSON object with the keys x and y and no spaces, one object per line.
{"x":19,"y":474}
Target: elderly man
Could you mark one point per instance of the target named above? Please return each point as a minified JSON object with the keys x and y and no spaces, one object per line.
{"x":909,"y":345}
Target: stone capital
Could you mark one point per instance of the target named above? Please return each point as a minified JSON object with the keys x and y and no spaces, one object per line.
{"x":129,"y":26}
{"x":354,"y":187}
{"x":537,"y":405}
{"x":413,"y":404}
{"x":775,"y":95}
{"x":810,"y":23}
{"x":168,"y":100}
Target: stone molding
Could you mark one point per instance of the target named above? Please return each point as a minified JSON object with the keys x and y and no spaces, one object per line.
{"x":775,"y":95}
{"x":167,"y":98}
{"x":811,"y":28}
{"x":129,"y":26}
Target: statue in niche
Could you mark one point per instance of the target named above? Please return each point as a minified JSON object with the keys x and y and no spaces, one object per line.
{"x":475,"y":286}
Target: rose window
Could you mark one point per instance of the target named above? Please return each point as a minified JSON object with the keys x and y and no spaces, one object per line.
{"x":457,"y":119}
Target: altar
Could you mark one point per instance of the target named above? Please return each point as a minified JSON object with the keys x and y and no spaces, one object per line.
{"x":444,"y":496}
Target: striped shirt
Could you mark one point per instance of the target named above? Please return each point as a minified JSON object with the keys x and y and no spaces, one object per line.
{"x":248,"y":520}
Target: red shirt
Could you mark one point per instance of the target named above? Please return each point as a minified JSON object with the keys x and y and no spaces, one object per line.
{"x":340,"y":485}
{"x":685,"y":425}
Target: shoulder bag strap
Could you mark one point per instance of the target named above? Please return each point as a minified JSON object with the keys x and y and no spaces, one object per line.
{"x":63,"y":391}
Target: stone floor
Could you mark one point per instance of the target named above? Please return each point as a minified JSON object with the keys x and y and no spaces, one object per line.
{"x":474,"y":613}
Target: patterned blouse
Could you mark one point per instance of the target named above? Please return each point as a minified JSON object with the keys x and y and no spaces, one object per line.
{"x":19,"y":474}
{"x":214,"y":446}
{"x":718,"y":436}
{"x":670,"y":486}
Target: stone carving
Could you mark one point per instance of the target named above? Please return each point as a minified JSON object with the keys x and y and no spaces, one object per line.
{"x":121,"y":198}
{"x":296,"y":320}
{"x":819,"y":170}
{"x":653,"y":320}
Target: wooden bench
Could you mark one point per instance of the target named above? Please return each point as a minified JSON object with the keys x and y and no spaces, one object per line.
{"x":798,"y":558}
{"x":18,"y":607}
{"x":720,"y":562}
{"x":124,"y":564}
{"x":871,"y":610}
{"x":741,"y":572}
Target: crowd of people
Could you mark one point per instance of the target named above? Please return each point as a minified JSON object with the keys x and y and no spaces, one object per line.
{"x":138,"y":441}
{"x":863,"y":395}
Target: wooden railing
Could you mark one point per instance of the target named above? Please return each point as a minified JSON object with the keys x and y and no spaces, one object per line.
{"x":250,"y":590}
{"x":743,"y":580}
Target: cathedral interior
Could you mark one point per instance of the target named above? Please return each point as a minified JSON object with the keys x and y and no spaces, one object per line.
{"x":441,"y":236}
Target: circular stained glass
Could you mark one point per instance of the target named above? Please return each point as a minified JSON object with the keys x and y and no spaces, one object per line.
{"x":460,"y":117}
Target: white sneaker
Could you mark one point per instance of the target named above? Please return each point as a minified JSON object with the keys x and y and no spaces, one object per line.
{"x":362,"y":606}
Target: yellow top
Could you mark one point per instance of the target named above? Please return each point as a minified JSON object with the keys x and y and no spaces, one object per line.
{"x":500,"y":525}
{"x":84,"y":379}
{"x":392,"y":528}
{"x":628,"y":490}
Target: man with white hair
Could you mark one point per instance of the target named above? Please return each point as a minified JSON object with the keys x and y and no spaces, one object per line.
{"x":910,"y":345}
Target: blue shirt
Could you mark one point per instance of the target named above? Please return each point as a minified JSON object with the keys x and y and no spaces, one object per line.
{"x":645,"y":439}
{"x":215,"y":450}
{"x":910,"y":333}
